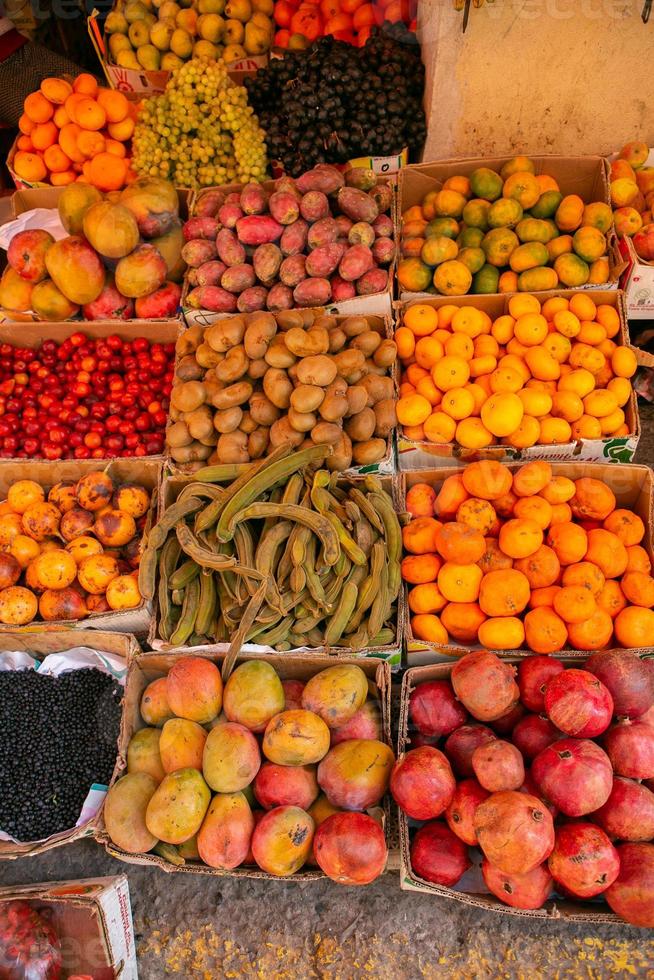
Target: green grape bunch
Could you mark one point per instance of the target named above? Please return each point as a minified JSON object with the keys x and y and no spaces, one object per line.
{"x":200,"y":131}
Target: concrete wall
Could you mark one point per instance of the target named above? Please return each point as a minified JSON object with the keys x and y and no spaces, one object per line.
{"x":551,"y":76}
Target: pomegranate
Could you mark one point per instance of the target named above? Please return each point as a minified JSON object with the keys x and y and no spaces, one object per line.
{"x":350,"y":848}
{"x":578,"y":703}
{"x":629,"y":679}
{"x":515,"y":831}
{"x":417,"y":739}
{"x":529,"y":786}
{"x":630,"y":747}
{"x":434,"y":710}
{"x":526,"y":891}
{"x":422,"y":783}
{"x":574,"y":774}
{"x":584,"y":860}
{"x":498,"y":766}
{"x":628,"y":814}
{"x":631,"y":895}
{"x":485,"y":685}
{"x":460,"y":814}
{"x":533,"y":733}
{"x":508,"y":721}
{"x":534,"y":674}
{"x":437,"y":855}
{"x":462,"y":743}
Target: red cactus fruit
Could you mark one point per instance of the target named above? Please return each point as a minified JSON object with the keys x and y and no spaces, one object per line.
{"x":515,"y":831}
{"x":498,"y":766}
{"x":434,"y":710}
{"x":628,"y":814}
{"x":630,"y":747}
{"x":462,"y":743}
{"x":578,"y":703}
{"x":533,"y":733}
{"x":526,"y":891}
{"x":460,"y":814}
{"x":422,"y":783}
{"x":485,"y":684}
{"x":534,"y":674}
{"x":575,"y":775}
{"x":437,"y":855}
{"x":584,"y":860}
{"x":629,"y":679}
{"x":631,"y":895}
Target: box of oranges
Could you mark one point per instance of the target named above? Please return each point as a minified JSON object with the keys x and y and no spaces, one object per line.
{"x":521,"y":376}
{"x":530,"y":558}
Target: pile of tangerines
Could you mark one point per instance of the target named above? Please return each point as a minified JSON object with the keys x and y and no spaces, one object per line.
{"x":527,"y":558}
{"x":75,"y":131}
{"x":537,"y":375}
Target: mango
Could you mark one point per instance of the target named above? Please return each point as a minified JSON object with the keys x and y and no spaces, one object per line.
{"x":154,"y":204}
{"x":181,"y":745}
{"x":125,"y":809}
{"x":111,"y":229}
{"x":170,"y":246}
{"x":296,"y":738}
{"x":140,"y":272}
{"x":355,"y":774}
{"x":155,"y":709}
{"x":195,"y":689}
{"x":188,"y":849}
{"x":224,"y":837}
{"x":282,"y":840}
{"x":15,"y":293}
{"x":73,"y":203}
{"x":336,"y":694}
{"x":143,"y":753}
{"x":253,"y":695}
{"x":285,"y":786}
{"x":231,"y":758}
{"x":49,"y":303}
{"x":75,"y":269}
{"x":178,"y":806}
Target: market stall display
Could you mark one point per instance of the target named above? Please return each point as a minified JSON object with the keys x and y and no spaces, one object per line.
{"x":325,"y":237}
{"x":632,"y":197}
{"x":296,"y":754}
{"x":334,"y":103}
{"x":74,"y":128}
{"x":544,"y":778}
{"x":247,"y":384}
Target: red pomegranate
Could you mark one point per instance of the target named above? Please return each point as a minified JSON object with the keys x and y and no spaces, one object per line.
{"x":578,"y":703}
{"x":526,"y":891}
{"x":574,"y":774}
{"x":515,"y":831}
{"x":629,"y":679}
{"x":632,"y":893}
{"x":460,"y":814}
{"x":485,"y":684}
{"x":529,"y":786}
{"x":534,"y":674}
{"x":498,"y":766}
{"x":628,"y":814}
{"x":533,"y":733}
{"x":630,"y":747}
{"x":433,"y":709}
{"x":350,"y":848}
{"x":584,"y":860}
{"x":508,"y":721}
{"x":437,"y":855}
{"x":462,"y":743}
{"x":422,"y":783}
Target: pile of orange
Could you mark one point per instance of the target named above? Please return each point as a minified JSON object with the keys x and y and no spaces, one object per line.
{"x":75,"y":131}
{"x":521,"y":559}
{"x":537,"y":375}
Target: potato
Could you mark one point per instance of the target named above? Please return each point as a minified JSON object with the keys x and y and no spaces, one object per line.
{"x":234,"y":366}
{"x":368,"y":452}
{"x":341,"y":457}
{"x":349,"y":362}
{"x":232,"y":447}
{"x":225,"y":334}
{"x":189,"y":369}
{"x":301,"y":421}
{"x":308,"y":316}
{"x":262,"y":409}
{"x":337,"y":340}
{"x":282,"y":432}
{"x":189,"y":340}
{"x":257,"y":368}
{"x":326,"y":433}
{"x":207,"y":358}
{"x":354,"y":325}
{"x":177,"y":435}
{"x":386,"y":354}
{"x":195,"y":452}
{"x":200,"y":422}
{"x":377,"y":388}
{"x":334,"y":405}
{"x":228,"y":420}
{"x":357,"y":399}
{"x":278,"y":355}
{"x":385,"y":417}
{"x":260,"y":330}
{"x":278,"y":387}
{"x":304,"y":343}
{"x":371,"y":368}
{"x":289,"y":318}
{"x":367,"y":342}
{"x":307,"y":398}
{"x":258,"y":442}
{"x":361,"y":427}
{"x":210,"y":440}
{"x":188,"y":396}
{"x":247,"y":423}
{"x":235,"y":394}
{"x":317,"y":370}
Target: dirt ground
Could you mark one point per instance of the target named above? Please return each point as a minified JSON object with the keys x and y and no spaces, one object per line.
{"x":209,"y":928}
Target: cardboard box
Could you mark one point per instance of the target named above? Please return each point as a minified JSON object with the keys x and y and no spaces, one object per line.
{"x":380,"y":304}
{"x":413,"y":455}
{"x":170,"y":489}
{"x":386,"y":465}
{"x":144,"y":471}
{"x":471,"y":889}
{"x":45,"y":196}
{"x":146,"y":667}
{"x":633,"y":486}
{"x":585,"y":176}
{"x":147,"y":82}
{"x":93,"y":919}
{"x":39,"y":641}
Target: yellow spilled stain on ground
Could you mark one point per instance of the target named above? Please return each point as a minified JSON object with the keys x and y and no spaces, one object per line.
{"x":206,"y":954}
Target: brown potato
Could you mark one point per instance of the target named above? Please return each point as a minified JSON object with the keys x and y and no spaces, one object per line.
{"x":189,"y":369}
{"x":189,"y":340}
{"x":337,"y":340}
{"x":301,"y":421}
{"x":289,"y":318}
{"x":385,"y":417}
{"x":349,"y":361}
{"x":354,"y":325}
{"x":225,"y":334}
{"x":377,"y":388}
{"x":305,"y":343}
{"x":361,"y":427}
{"x":371,"y":368}
{"x":357,"y":399}
{"x":188,"y":396}
{"x":386,"y":354}
{"x":195,"y":452}
{"x":341,"y":457}
{"x":367,"y":342}
{"x":235,"y":394}
{"x":258,"y":442}
{"x":257,"y":368}
{"x":365,"y":453}
{"x":318,"y":370}
{"x":260,"y":330}
{"x":247,"y":423}
{"x":326,"y":433}
{"x":307,"y":398}
{"x":335,"y":404}
{"x":228,"y":420}
{"x":206,"y":357}
{"x":177,"y":435}
{"x":232,"y":447}
{"x":262,"y":409}
{"x":234,"y":365}
{"x":326,"y":320}
{"x":209,"y":440}
{"x":282,"y":431}
{"x":278,"y":355}
{"x":278,"y":387}
{"x":200,"y":422}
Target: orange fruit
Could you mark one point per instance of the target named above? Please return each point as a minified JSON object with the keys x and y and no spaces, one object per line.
{"x":122,"y":130}
{"x":421,"y":319}
{"x":56,"y":90}
{"x":90,"y":115}
{"x":114,"y":103}
{"x":107,"y":172}
{"x":44,"y":135}
{"x":56,"y":160}
{"x":38,"y":108}
{"x":85,"y":84}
